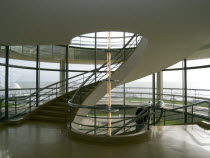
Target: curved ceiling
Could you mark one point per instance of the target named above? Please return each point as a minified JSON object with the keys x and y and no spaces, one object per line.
{"x":174,"y":29}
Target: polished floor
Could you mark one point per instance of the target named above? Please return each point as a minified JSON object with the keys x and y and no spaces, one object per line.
{"x":43,"y":140}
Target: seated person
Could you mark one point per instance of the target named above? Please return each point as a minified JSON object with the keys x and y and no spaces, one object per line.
{"x":141,"y":120}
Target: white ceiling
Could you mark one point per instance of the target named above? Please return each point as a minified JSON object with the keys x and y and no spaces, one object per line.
{"x":174,"y":28}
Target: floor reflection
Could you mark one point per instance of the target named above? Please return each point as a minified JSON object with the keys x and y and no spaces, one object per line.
{"x":43,"y":140}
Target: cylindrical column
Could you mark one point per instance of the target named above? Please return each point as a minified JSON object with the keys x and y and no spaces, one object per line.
{"x":62,"y":85}
{"x":185,"y":89}
{"x":95,"y":58}
{"x":67,"y":68}
{"x":159,"y":85}
{"x":109,"y":103}
{"x":124,"y":97}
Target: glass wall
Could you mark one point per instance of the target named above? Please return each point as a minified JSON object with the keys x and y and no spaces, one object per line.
{"x":34,"y":67}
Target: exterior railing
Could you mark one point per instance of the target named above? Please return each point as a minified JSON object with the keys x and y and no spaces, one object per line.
{"x":201,"y":111}
{"x":131,"y":98}
{"x":192,"y":113}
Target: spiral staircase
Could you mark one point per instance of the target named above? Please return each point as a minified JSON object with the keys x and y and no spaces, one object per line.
{"x":51,"y":103}
{"x":67,"y":101}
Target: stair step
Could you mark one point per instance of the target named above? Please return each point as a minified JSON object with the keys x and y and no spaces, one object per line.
{"x":84,"y":94}
{"x":61,"y":103}
{"x":57,"y":108}
{"x":49,"y":118}
{"x":88,"y":90}
{"x":53,"y":113}
{"x":65,"y":100}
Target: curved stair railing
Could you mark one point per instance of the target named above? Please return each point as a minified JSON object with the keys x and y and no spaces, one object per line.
{"x":125,"y":125}
{"x":97,"y":124}
{"x":18,"y":106}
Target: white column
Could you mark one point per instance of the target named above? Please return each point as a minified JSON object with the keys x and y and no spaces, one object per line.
{"x":159,"y":85}
{"x":62,"y":76}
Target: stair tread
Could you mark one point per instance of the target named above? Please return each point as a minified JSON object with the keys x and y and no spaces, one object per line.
{"x":49,"y":118}
{"x":61,"y":103}
{"x":56,"y":108}
{"x":40,"y":115}
{"x":44,"y":110}
{"x":53,"y":112}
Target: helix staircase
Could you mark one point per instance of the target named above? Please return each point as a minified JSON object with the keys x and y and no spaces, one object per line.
{"x":51,"y":103}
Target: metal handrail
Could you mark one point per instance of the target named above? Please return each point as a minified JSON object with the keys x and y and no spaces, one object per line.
{"x":144,"y":113}
{"x":185,"y":109}
{"x":186,"y":106}
{"x":141,"y":115}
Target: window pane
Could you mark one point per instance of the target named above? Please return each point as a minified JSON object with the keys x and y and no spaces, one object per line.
{"x":177,"y":65}
{"x":21,"y":79}
{"x":173,"y":88}
{"x":23,"y":55}
{"x":200,"y":62}
{"x":48,"y":77}
{"x":81,"y":59}
{"x":22,"y":83}
{"x":139,"y":91}
{"x":52,"y":57}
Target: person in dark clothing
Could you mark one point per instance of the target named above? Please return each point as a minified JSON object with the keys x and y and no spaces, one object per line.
{"x":141,"y":120}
